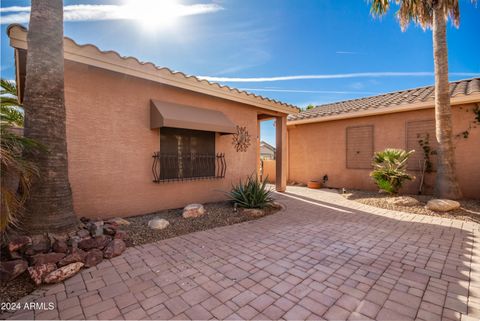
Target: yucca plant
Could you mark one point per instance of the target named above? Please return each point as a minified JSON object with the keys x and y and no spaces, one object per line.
{"x":390,"y":169}
{"x":251,"y":193}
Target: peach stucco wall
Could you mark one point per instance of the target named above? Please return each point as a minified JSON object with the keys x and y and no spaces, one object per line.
{"x":320,"y":148}
{"x":110,"y":144}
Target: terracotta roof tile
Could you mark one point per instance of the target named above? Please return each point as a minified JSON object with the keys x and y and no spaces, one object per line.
{"x":405,"y":97}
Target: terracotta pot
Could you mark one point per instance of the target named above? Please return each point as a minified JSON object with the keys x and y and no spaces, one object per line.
{"x":314,"y":184}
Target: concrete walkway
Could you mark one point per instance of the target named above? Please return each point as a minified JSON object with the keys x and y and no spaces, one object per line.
{"x":323,"y":257}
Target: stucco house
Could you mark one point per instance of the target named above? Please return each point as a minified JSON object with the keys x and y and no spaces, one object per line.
{"x":339,"y":139}
{"x":142,"y":138}
{"x":267,"y":151}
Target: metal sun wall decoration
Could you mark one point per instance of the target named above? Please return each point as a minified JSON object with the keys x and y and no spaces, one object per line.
{"x":241,"y":139}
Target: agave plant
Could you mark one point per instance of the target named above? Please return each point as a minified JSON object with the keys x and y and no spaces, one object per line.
{"x":252,"y":193}
{"x":390,"y":169}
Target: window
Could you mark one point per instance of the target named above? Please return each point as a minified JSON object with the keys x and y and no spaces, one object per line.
{"x":359,"y":147}
{"x":423,"y":130}
{"x":186,"y":153}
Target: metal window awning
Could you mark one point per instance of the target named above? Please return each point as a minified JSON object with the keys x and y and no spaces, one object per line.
{"x":165,"y":114}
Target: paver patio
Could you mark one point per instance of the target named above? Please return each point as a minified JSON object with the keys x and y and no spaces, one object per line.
{"x":323,"y":257}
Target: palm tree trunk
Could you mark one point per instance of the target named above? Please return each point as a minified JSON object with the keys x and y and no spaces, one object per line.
{"x":446,"y":185}
{"x":50,"y":206}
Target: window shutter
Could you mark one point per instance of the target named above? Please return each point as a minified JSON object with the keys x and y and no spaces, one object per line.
{"x":359,"y":147}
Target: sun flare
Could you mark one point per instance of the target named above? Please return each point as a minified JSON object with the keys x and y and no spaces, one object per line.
{"x":154,"y":13}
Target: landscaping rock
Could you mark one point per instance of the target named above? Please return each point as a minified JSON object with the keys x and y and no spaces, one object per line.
{"x":109,"y":230}
{"x":442,"y":205}
{"x":93,"y":257}
{"x":254,"y":212}
{"x":18,"y":243}
{"x":403,"y":201}
{"x":158,"y":224}
{"x":96,"y":228}
{"x":83,"y":233}
{"x":77,"y":255}
{"x":40,"y":259}
{"x":193,"y":210}
{"x":73,"y":242}
{"x":102,"y":241}
{"x":119,"y":221}
{"x":41,"y":244}
{"x":38,"y":272}
{"x":9,"y":270}
{"x":87,"y":244}
{"x":122,"y":235}
{"x":60,"y":246}
{"x":114,"y":248}
{"x":63,"y":273}
{"x":277,"y":205}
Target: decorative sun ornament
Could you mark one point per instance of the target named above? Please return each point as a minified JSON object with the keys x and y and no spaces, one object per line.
{"x":241,"y":139}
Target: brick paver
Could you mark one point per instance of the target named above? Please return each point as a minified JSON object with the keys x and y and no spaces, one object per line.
{"x":322,"y":257}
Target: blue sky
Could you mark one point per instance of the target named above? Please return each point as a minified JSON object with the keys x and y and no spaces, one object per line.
{"x":348,"y":53}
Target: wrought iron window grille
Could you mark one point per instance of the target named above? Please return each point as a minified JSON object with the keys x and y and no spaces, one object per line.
{"x":192,"y":166}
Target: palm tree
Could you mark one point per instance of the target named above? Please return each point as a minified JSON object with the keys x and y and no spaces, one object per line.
{"x":17,"y":172}
{"x":434,"y":14}
{"x":50,"y":206}
{"x":10,"y":107}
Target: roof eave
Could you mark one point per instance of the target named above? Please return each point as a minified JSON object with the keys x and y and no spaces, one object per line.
{"x":460,"y":100}
{"x":111,"y":60}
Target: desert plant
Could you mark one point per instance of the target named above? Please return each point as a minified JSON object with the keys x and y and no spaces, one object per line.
{"x":11,"y":109}
{"x":434,"y":14}
{"x":390,"y":169}
{"x":17,"y":172}
{"x":251,"y":193}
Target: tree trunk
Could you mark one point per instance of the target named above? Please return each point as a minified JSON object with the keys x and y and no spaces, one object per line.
{"x":446,"y":185}
{"x":50,"y":206}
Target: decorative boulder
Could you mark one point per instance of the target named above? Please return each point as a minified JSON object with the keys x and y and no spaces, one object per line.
{"x":40,"y":259}
{"x":119,"y":221}
{"x":193,"y":210}
{"x":87,"y":244}
{"x":254,"y":212}
{"x":158,"y":224}
{"x":403,"y":201}
{"x":60,"y":246}
{"x":63,"y":273}
{"x":114,"y":248}
{"x":96,"y":228}
{"x":277,"y":205}
{"x":83,"y":233}
{"x":122,"y":235}
{"x":77,"y":255}
{"x":102,"y":241}
{"x":9,"y":270}
{"x":41,"y":244}
{"x":442,"y":205}
{"x":38,"y":272}
{"x":109,"y":229}
{"x":93,"y":257}
{"x":18,"y":243}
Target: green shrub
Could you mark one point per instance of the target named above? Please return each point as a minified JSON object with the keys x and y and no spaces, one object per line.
{"x":389,"y":171}
{"x":252,"y":193}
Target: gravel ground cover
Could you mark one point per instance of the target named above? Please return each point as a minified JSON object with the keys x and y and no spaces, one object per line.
{"x":469,"y":210}
{"x":217,"y":214}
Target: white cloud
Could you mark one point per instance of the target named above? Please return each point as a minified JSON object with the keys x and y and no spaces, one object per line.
{"x":132,"y":11}
{"x":311,"y":91}
{"x":333,"y":76}
{"x":347,"y":52}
